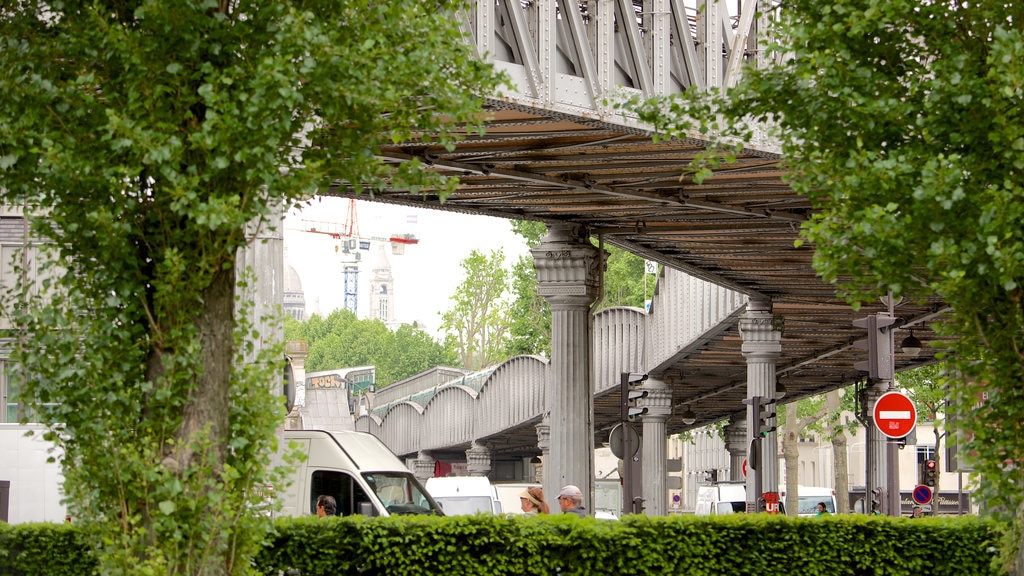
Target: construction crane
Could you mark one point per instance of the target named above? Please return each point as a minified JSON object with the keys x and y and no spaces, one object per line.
{"x":350,"y":245}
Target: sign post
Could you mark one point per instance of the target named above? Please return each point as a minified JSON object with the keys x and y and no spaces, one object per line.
{"x":895,"y":415}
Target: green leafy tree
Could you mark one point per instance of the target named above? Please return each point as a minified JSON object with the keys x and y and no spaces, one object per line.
{"x":343,"y":341}
{"x":150,"y":135}
{"x":902,"y":122}
{"x":927,"y":388}
{"x":626,"y":282}
{"x":476,"y":326}
{"x":529,"y":314}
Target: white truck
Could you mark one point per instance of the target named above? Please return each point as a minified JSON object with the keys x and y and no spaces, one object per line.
{"x":355,"y":468}
{"x":30,"y":484}
{"x":721,"y":498}
{"x":459,"y":495}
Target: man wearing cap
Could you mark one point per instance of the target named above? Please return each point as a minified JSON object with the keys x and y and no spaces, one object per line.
{"x":570,"y":500}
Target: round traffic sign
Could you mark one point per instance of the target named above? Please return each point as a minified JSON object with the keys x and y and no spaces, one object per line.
{"x":922,"y":494}
{"x":895,"y":415}
{"x":616,"y":440}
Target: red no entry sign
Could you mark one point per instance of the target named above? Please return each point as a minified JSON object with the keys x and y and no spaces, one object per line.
{"x":895,"y":415}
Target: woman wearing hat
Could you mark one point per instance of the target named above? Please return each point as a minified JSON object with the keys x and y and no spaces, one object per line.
{"x":532,"y":501}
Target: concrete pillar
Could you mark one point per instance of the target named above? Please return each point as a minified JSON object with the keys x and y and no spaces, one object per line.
{"x":423,"y":466}
{"x":654,"y":483}
{"x":568,"y":272}
{"x":737,"y":442}
{"x":478,"y":460}
{"x":762,"y":344}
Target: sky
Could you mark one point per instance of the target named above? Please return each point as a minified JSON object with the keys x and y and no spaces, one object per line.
{"x":424,"y":277}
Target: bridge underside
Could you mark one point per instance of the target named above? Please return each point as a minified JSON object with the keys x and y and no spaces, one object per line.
{"x":735,"y":229}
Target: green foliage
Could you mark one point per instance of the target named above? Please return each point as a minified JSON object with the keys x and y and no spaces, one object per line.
{"x":559,"y":544}
{"x":903,"y":123}
{"x":343,"y":341}
{"x":625,"y":281}
{"x":927,"y":388}
{"x":150,"y":135}
{"x":51,"y":549}
{"x":477,"y":323}
{"x":636,"y":545}
{"x":529,"y":313}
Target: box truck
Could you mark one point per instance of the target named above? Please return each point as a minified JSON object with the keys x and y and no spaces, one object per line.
{"x":356,"y":469}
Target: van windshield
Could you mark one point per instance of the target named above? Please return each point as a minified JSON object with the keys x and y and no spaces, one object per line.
{"x":401,"y":493}
{"x":808,"y":505}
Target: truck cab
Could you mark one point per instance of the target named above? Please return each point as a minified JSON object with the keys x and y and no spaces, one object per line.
{"x":357,"y":470}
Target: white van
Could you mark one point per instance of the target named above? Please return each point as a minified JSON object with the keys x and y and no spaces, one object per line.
{"x":358,"y":470}
{"x":464,"y":495}
{"x":808,"y":498}
{"x":721,"y":498}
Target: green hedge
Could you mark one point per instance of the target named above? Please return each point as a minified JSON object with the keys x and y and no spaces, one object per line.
{"x":486,"y":545}
{"x":50,"y":549}
{"x":763,"y":545}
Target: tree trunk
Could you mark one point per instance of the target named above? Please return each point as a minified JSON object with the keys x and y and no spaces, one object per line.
{"x":791,"y":456}
{"x":207,"y":412}
{"x":840,"y":454}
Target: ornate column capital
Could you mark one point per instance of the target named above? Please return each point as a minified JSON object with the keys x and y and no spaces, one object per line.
{"x":760,"y":330}
{"x":544,"y":435}
{"x":568,"y":266}
{"x":736,"y":432}
{"x":658,"y":400}
{"x":423,"y":466}
{"x":478,"y":460}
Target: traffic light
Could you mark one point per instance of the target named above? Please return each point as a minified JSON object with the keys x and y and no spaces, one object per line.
{"x":930,"y":473}
{"x":878,"y":501}
{"x":766,"y":422}
{"x":879,"y":364}
{"x":630,"y":395}
{"x":763,"y":415}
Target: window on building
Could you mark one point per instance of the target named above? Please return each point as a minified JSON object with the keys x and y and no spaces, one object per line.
{"x":13,"y":409}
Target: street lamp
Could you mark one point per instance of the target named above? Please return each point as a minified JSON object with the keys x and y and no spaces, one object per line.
{"x":911,"y":345}
{"x":688,"y":416}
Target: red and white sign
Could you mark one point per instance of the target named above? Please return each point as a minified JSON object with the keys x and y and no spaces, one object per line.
{"x":895,"y":415}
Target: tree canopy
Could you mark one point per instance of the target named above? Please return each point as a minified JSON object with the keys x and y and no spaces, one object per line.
{"x":343,"y":341}
{"x":149,"y":135}
{"x":902,"y":122}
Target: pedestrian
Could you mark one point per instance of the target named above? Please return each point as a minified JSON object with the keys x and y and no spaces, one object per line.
{"x":916,"y":513}
{"x":326,"y":506}
{"x":822,"y":509}
{"x":532,"y":501}
{"x":570,"y":500}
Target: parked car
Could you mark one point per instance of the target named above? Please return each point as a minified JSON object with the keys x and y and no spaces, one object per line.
{"x":465,"y":495}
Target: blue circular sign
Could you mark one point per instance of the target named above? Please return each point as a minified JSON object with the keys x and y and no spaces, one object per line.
{"x":922,"y":494}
